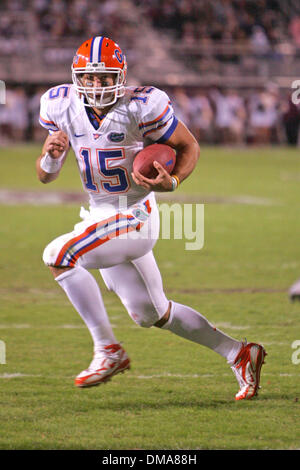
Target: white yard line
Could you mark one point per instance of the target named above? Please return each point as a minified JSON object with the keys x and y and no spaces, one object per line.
{"x":76,"y":327}
{"x":39,"y":327}
{"x":16,"y":375}
{"x":232,"y":327}
{"x":44,"y":327}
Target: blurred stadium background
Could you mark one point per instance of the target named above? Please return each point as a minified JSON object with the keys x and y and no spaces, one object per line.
{"x":228,"y":65}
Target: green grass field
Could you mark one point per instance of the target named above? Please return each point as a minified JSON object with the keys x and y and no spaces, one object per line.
{"x":178,"y":395}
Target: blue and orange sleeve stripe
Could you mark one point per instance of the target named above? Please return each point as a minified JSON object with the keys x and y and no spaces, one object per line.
{"x":157,"y":120}
{"x":48,"y":124}
{"x":169,"y":131}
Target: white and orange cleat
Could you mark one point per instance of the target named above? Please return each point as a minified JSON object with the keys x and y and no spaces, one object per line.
{"x":247,"y":366}
{"x":108,"y":361}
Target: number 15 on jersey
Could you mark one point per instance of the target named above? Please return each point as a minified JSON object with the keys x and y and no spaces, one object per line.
{"x":101,"y":172}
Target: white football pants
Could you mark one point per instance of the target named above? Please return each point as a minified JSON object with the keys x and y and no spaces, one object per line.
{"x":120,"y":246}
{"x":138,"y":284}
{"x":104,"y":241}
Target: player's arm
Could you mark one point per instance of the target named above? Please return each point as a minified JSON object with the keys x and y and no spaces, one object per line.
{"x":187,"y":154}
{"x":53,"y":155}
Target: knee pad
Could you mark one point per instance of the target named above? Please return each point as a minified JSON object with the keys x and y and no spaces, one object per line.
{"x":144,"y":314}
{"x":52,"y":250}
{"x":144,"y":319}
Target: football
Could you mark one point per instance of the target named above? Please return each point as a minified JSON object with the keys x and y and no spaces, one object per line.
{"x":162,"y":153}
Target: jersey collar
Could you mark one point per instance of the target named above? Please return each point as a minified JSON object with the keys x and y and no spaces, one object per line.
{"x":93,"y":118}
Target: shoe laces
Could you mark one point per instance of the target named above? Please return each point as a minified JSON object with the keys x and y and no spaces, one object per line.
{"x":102,"y":354}
{"x":239,"y":377}
{"x":237,"y":366}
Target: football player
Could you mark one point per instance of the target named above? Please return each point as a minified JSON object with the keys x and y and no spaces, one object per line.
{"x":294,"y":292}
{"x":107,"y":124}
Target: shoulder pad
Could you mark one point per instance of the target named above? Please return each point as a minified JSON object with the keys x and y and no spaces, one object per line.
{"x":53,"y":103}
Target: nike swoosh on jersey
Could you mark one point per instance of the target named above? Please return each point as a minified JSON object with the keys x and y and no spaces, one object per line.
{"x":96,"y":136}
{"x":79,"y":135}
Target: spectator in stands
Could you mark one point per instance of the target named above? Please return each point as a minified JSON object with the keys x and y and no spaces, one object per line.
{"x":37,"y":132}
{"x":18,"y":113}
{"x":4,"y":126}
{"x":264,"y":114}
{"x":181,"y":104}
{"x":201,"y":116}
{"x":291,"y":121}
{"x":259,"y":42}
{"x":230,"y":116}
{"x":14,"y":115}
{"x":294,"y":29}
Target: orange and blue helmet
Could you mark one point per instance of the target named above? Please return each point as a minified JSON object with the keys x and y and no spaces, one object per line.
{"x":99,"y":55}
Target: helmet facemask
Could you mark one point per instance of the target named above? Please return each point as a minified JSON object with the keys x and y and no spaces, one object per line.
{"x":99,"y":97}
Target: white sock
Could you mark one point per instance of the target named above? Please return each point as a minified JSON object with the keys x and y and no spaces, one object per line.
{"x":84,"y":293}
{"x":189,"y":324}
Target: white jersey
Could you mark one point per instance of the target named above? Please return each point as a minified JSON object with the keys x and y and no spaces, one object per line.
{"x":105,"y":153}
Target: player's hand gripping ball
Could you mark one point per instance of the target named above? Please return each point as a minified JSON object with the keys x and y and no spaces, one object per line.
{"x":161,"y":153}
